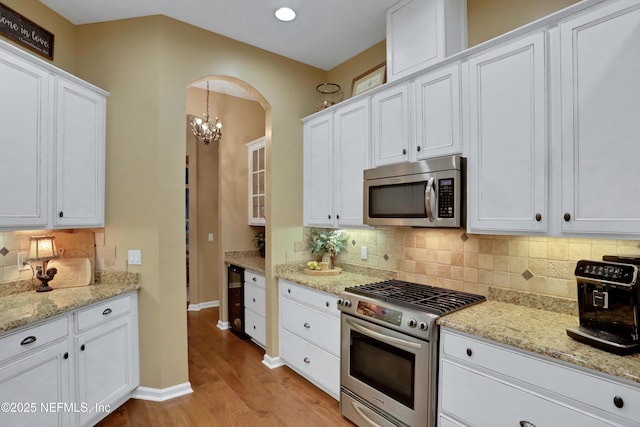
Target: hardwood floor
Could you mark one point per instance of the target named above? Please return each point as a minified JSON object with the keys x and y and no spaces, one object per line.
{"x":232,"y":388}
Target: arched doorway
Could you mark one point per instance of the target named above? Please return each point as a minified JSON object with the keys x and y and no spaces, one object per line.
{"x":216,"y":179}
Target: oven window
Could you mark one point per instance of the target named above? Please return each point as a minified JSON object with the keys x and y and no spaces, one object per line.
{"x":397,"y":200}
{"x":388,"y":369}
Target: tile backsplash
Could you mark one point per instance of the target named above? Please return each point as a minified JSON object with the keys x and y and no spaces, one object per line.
{"x":72,"y":243}
{"x":452,"y":258}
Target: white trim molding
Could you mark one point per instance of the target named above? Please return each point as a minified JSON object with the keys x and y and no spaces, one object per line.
{"x":162,"y":394}
{"x":272,"y":362}
{"x":200,"y":306}
{"x":223,"y":325}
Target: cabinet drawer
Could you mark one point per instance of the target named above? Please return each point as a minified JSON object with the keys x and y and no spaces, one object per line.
{"x":317,"y":328}
{"x":318,"y":366}
{"x":103,"y":312}
{"x":255,"y":326}
{"x":322,"y":301}
{"x":255,"y":278}
{"x":33,"y":337}
{"x":481,"y":400}
{"x":254,"y":298}
{"x":579,"y":385}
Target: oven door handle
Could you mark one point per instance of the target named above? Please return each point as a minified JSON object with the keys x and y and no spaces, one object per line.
{"x":364,"y":416}
{"x":397,"y":342}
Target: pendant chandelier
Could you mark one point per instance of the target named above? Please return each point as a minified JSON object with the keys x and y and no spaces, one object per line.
{"x":204,"y":129}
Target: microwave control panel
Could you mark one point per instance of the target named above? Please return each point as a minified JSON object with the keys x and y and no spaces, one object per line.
{"x":446,"y":198}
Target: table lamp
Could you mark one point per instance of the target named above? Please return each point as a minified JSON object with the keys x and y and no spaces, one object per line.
{"x":43,"y":248}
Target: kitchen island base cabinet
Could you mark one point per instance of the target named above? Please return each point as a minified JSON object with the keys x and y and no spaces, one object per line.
{"x":484,"y":383}
{"x":310,"y":335}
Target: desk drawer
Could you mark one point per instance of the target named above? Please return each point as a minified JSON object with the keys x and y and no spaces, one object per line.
{"x":34,"y":337}
{"x":103,"y":312}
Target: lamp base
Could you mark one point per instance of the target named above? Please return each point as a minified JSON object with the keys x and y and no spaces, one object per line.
{"x":44,"y":287}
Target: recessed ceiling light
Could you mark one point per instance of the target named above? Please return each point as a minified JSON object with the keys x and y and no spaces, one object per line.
{"x":285,"y":14}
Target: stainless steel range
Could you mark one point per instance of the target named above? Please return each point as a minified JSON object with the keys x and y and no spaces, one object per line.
{"x":389,"y":351}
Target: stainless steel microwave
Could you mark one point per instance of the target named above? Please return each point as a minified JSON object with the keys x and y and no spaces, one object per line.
{"x":427,"y":193}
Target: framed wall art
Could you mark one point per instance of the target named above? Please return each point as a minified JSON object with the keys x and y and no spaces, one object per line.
{"x":369,"y":79}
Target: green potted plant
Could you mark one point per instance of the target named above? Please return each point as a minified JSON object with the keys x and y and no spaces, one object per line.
{"x":329,"y":242}
{"x":259,"y":242}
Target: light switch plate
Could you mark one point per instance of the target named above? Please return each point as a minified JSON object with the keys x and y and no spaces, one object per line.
{"x":134,"y":257}
{"x":363,"y":252}
{"x":22,"y":258}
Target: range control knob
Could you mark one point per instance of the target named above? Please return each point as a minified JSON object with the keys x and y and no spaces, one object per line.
{"x":423,"y":326}
{"x":412,"y":323}
{"x":346,"y":303}
{"x":339,"y":302}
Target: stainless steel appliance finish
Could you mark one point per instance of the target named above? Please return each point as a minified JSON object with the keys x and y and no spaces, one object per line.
{"x":428,"y":193}
{"x":608,"y":300}
{"x":389,"y":351}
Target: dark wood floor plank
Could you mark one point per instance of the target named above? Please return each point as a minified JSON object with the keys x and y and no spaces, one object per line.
{"x":232,"y":388}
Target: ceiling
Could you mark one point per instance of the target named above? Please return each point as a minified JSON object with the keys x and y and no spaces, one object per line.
{"x":324,"y":34}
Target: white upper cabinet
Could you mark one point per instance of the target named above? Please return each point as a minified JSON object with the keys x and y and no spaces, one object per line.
{"x":422,"y":32}
{"x":507,"y":162}
{"x":24,"y":122}
{"x":318,"y":179}
{"x":391,"y":133}
{"x":52,"y":159}
{"x":437,"y":113}
{"x":336,"y":152}
{"x":600,"y":79}
{"x":257,"y":166}
{"x":79,"y":155}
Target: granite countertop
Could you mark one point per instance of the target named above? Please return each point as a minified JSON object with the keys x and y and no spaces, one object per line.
{"x":540,"y":331}
{"x":251,"y":260}
{"x":351,"y":275}
{"x":23,"y":308}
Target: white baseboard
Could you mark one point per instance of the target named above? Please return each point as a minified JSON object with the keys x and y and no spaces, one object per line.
{"x":223,"y":325}
{"x":162,"y":394}
{"x":272,"y":362}
{"x":200,"y":306}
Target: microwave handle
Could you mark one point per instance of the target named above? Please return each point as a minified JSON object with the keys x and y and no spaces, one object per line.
{"x":427,"y":199}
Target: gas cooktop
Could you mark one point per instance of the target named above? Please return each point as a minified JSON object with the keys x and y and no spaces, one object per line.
{"x":426,"y":298}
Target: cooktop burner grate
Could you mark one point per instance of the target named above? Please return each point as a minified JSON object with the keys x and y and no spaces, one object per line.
{"x":423,"y":297}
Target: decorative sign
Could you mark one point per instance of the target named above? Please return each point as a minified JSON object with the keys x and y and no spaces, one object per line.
{"x":27,"y":33}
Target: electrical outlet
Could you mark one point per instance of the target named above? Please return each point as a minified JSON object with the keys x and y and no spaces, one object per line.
{"x":363,"y":252}
{"x":134,"y":256}
{"x":22,"y":259}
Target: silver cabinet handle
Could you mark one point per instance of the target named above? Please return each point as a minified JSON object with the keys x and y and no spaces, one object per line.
{"x":526,"y":424}
{"x":427,"y":199}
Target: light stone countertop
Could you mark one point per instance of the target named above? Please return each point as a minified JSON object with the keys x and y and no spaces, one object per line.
{"x":23,"y":308}
{"x":539,"y":331}
{"x":351,"y":275}
{"x":249,"y":260}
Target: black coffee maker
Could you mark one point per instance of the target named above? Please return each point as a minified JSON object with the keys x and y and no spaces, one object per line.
{"x":608,"y":295}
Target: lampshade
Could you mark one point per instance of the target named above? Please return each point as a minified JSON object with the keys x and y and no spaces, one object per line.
{"x":42,"y":248}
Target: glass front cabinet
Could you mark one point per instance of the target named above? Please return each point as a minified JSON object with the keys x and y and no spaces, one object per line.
{"x":257,"y":185}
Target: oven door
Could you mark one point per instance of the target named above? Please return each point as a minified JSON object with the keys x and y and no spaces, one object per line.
{"x":388,"y":370}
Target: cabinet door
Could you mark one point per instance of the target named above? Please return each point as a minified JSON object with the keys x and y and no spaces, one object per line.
{"x":507,"y":164}
{"x":257,"y":163}
{"x":318,"y":176}
{"x":107,"y":366}
{"x":36,"y":386}
{"x":391,"y":136}
{"x":24,"y":123}
{"x":600,"y":122}
{"x":79,"y":156}
{"x":351,"y":158}
{"x":437,"y":113}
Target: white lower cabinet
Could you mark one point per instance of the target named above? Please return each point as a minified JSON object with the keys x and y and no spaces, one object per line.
{"x":72,"y":370}
{"x":310,"y":335}
{"x":488,"y":384}
{"x":255,"y":324}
